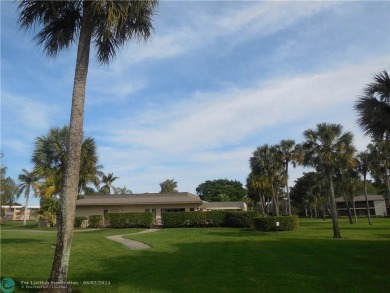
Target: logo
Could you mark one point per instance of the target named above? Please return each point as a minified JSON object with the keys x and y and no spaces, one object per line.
{"x":7,"y":285}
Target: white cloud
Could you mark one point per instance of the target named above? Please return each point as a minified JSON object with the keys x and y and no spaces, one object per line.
{"x":202,"y":137}
{"x":28,"y":113}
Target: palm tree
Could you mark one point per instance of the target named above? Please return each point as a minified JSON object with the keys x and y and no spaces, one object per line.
{"x":108,"y":180}
{"x":266,"y":161}
{"x":28,"y":181}
{"x":363,"y":167}
{"x":374,"y":108}
{"x":123,"y":190}
{"x":325,"y":148}
{"x":108,"y":25}
{"x":50,"y":158}
{"x":290,"y":153}
{"x":168,"y":186}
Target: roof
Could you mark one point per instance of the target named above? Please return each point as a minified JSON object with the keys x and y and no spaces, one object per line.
{"x":19,"y":207}
{"x":371,"y":197}
{"x":139,"y":199}
{"x":224,"y":205}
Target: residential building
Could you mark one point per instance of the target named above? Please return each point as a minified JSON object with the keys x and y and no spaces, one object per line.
{"x":376,"y":203}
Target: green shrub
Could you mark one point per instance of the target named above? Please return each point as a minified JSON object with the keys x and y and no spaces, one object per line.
{"x":269,"y":223}
{"x":78,"y":221}
{"x":209,"y":219}
{"x":130,"y":220}
{"x":242,"y":219}
{"x":193,"y":219}
{"x":95,"y":221}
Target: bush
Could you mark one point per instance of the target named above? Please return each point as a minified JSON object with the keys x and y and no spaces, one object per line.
{"x":130,"y":220}
{"x":240,"y":219}
{"x":209,"y":219}
{"x":193,"y":219}
{"x":78,"y":221}
{"x":269,"y":223}
{"x":95,"y":221}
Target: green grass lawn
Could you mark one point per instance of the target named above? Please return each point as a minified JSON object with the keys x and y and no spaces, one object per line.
{"x":211,"y":259}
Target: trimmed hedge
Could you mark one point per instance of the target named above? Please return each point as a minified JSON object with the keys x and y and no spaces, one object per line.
{"x":286,"y":223}
{"x":95,"y":221}
{"x":193,"y":219}
{"x":242,"y":219}
{"x":130,"y":220}
{"x":78,"y":221}
{"x":209,"y":219}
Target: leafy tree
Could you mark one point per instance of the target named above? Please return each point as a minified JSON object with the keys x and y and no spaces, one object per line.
{"x":168,"y":186}
{"x":28,"y":180}
{"x":221,"y":190}
{"x":326,"y":148}
{"x":49,"y":210}
{"x":374,"y":108}
{"x":309,"y":193}
{"x":380,"y":164}
{"x":107,"y":180}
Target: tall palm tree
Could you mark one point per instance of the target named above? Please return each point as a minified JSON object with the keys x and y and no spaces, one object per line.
{"x":290,"y":153}
{"x":108,"y":180}
{"x":108,"y":25}
{"x":325,"y":148}
{"x":363,"y":167}
{"x":374,"y":108}
{"x":168,"y":186}
{"x":28,"y":181}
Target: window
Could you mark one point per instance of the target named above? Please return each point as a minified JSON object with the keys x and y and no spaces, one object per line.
{"x":147,"y":210}
{"x":173,"y":210}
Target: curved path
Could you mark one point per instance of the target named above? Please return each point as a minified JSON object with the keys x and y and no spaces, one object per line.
{"x":132,"y":244}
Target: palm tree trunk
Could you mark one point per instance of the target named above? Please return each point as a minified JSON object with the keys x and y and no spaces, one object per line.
{"x":287,"y":192}
{"x":59,"y":271}
{"x":336,"y":229}
{"x":348,"y":209}
{"x":354,"y":209}
{"x":276,"y":208}
{"x":366,"y":196}
{"x":27,"y":194}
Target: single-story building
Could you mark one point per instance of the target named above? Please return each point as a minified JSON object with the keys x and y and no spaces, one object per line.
{"x":16,"y":213}
{"x":156,"y":203}
{"x":376,"y":203}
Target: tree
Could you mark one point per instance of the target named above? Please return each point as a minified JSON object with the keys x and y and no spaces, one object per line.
{"x":221,"y":190}
{"x":326,"y":148}
{"x":379,"y":152}
{"x":168,"y":186}
{"x":7,"y":185}
{"x":108,"y":180}
{"x":290,"y":153}
{"x":258,"y":187}
{"x":123,"y":190}
{"x":108,"y":24}
{"x":28,"y":181}
{"x":308,"y":193}
{"x":267,"y":161}
{"x":50,"y":158}
{"x":363,"y":167}
{"x":374,"y":108}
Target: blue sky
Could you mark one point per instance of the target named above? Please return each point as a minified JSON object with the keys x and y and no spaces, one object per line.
{"x":217,"y":80}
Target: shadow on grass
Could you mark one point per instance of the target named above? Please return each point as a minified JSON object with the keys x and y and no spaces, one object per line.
{"x":244,"y":266}
{"x":20,"y":240}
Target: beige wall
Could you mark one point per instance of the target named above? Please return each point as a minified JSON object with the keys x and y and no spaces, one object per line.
{"x":99,"y":210}
{"x":380,"y":208}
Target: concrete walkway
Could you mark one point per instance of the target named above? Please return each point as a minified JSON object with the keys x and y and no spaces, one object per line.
{"x":132,"y":244}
